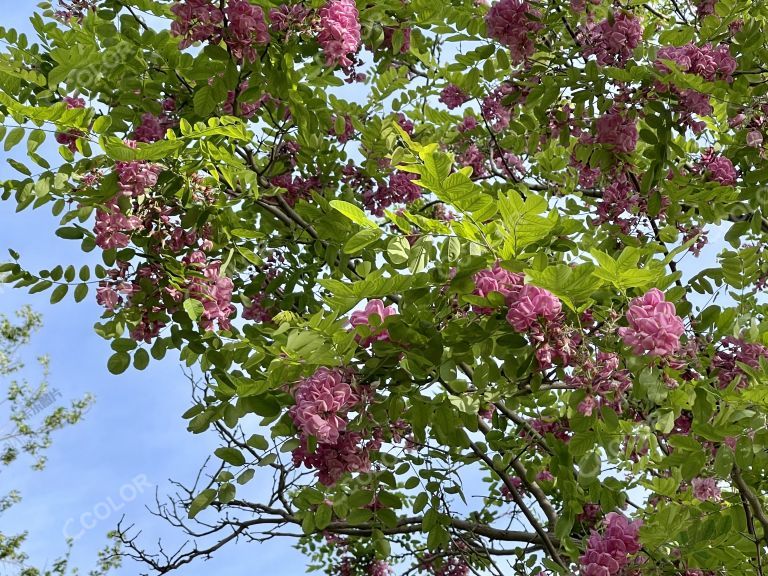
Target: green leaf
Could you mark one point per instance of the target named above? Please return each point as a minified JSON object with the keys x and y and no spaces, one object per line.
{"x":140,"y":359}
{"x":353,"y":213}
{"x":14,"y":137}
{"x":571,"y":284}
{"x":398,"y":250}
{"x":231,"y":456}
{"x":119,"y":362}
{"x":361,"y":240}
{"x":201,"y":501}
{"x":193,"y":308}
{"x":58,"y":293}
{"x":102,"y":124}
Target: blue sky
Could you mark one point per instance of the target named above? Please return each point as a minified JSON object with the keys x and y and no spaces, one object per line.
{"x":131,"y":441}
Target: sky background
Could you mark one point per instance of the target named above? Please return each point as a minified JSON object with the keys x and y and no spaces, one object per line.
{"x":134,"y":430}
{"x":133,"y":435}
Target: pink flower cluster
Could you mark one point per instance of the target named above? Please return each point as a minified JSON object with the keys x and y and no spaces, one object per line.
{"x":495,"y":112}
{"x":654,"y":326}
{"x":113,"y":228}
{"x":614,"y":39}
{"x":288,"y":17}
{"x":136,"y":177}
{"x":718,"y":168}
{"x":618,"y":204}
{"x":475,"y":159}
{"x":389,"y":33}
{"x":339,"y":34}
{"x":705,"y":489}
{"x":374,"y":308}
{"x":531,"y":304}
{"x":705,"y":61}
{"x":609,"y":553}
{"x":452,"y":566}
{"x":322,"y":402}
{"x":349,"y":453}
{"x":453,"y":96}
{"x":735,"y":351}
{"x":212,"y":290}
{"x":380,"y":568}
{"x":513,"y":23}
{"x":617,"y":130}
{"x":499,"y":280}
{"x":197,"y":21}
{"x":69,"y":139}
{"x":604,"y":382}
{"x":399,"y":190}
{"x":246,"y":29}
{"x":202,"y":20}
{"x":152,"y":128}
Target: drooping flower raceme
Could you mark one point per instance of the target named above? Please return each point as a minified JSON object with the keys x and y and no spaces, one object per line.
{"x":348,"y":453}
{"x":363,"y":318}
{"x":513,"y":23}
{"x":705,"y":61}
{"x":705,"y":489}
{"x":453,"y":96}
{"x":718,"y":168}
{"x":322,"y":401}
{"x":735,"y":351}
{"x":196,"y":21}
{"x":613,"y":40}
{"x":496,"y":279}
{"x":530,"y":304}
{"x":654,"y":326}
{"x":617,"y":130}
{"x":339,"y":31}
{"x":246,"y":29}
{"x":608,"y":553}
{"x":212,"y":290}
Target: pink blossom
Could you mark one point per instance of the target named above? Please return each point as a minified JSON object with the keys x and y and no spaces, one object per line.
{"x":286,"y":18}
{"x":246,"y":29}
{"x":735,"y":351}
{"x":322,"y":401}
{"x":609,"y":552}
{"x":705,"y":489}
{"x":363,"y":318}
{"x":113,"y":228}
{"x":530,"y":304}
{"x":513,"y":22}
{"x":614,"y":39}
{"x":339,"y":31}
{"x":618,"y":131}
{"x":475,"y":159}
{"x":107,"y":296}
{"x":467,"y":124}
{"x":380,"y":568}
{"x":707,"y":62}
{"x":136,"y":177}
{"x":453,"y":96}
{"x":720,"y":169}
{"x":499,"y":280}
{"x":347,"y":454}
{"x":389,"y":34}
{"x":151,"y":129}
{"x":754,"y":139}
{"x":197,"y":20}
{"x":212,"y":290}
{"x":654,"y":326}
{"x":399,"y":190}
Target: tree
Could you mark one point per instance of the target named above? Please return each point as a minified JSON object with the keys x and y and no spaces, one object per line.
{"x":413,"y":248}
{"x":29,"y":434}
